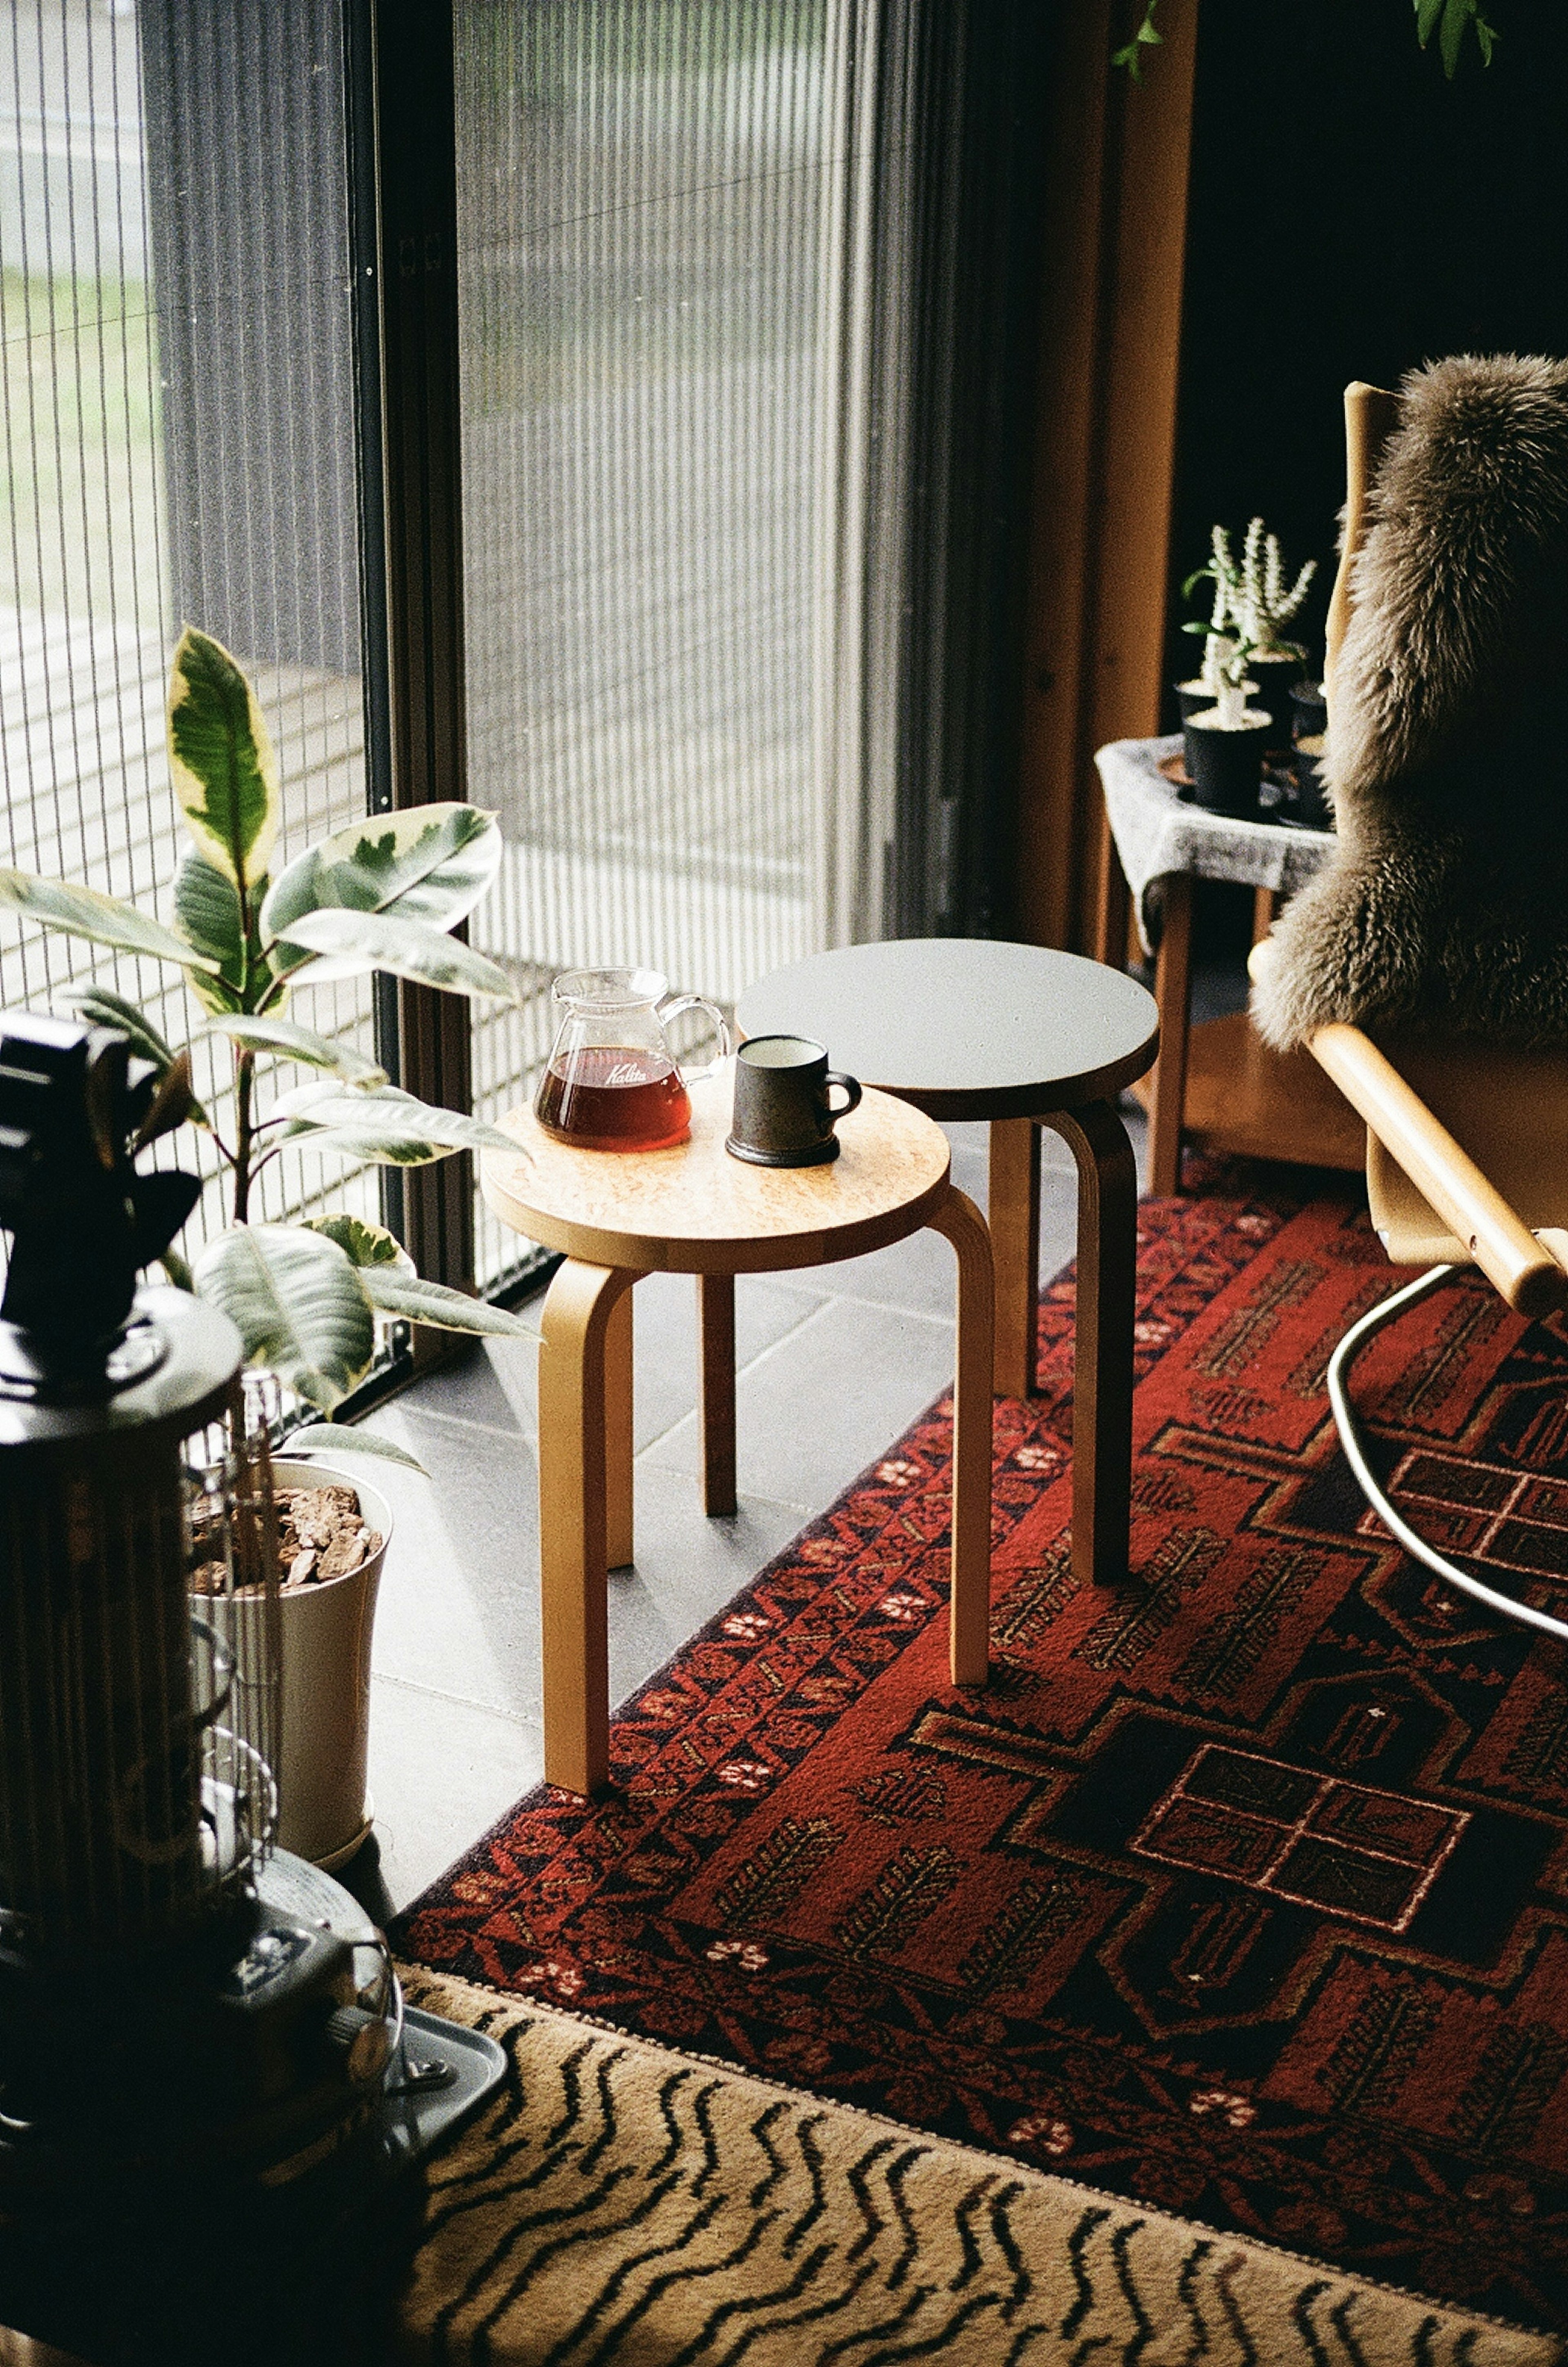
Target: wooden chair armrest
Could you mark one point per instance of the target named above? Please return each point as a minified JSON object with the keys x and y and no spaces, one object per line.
{"x":1505,"y":1249}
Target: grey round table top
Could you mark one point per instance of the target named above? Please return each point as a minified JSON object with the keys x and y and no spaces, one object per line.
{"x":965,"y":1026}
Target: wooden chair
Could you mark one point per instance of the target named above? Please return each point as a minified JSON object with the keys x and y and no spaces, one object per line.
{"x":1467,"y":1145}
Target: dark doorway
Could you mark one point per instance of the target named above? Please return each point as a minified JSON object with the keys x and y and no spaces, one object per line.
{"x":1353,"y":215}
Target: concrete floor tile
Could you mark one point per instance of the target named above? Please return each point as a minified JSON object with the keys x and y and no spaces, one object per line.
{"x":458,"y":1610}
{"x":496,"y":1382}
{"x":816,"y":1409}
{"x":441,"y":1773}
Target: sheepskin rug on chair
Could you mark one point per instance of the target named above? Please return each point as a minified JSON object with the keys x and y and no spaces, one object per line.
{"x":1446,"y":907}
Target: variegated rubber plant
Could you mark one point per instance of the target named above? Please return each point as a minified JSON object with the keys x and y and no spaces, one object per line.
{"x":381,"y":895}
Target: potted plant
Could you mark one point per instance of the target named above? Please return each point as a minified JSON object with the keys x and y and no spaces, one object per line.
{"x":1225,"y":741}
{"x":1203,"y":688}
{"x":383,"y":894}
{"x":1261,"y":604}
{"x":1252,"y":603}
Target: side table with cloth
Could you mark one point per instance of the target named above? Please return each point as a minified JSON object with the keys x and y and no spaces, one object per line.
{"x":693,"y":1209}
{"x":1219,"y":1080}
{"x":1022,"y":1036}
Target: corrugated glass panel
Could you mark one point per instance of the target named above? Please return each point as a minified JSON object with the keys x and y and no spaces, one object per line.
{"x":175,"y":375}
{"x":645,"y":189}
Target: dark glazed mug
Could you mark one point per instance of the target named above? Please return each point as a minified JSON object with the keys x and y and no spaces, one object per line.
{"x":783,"y":1116}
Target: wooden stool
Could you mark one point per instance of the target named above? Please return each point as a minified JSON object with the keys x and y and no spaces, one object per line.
{"x":965,"y":1027}
{"x":696,"y":1210}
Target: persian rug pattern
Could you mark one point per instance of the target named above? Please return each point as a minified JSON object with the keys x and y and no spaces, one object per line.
{"x":1242,"y":1890}
{"x":621,"y":2205}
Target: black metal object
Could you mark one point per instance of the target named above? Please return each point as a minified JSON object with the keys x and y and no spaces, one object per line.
{"x":958,"y":219}
{"x":83,"y":1222}
{"x":179,"y":2017}
{"x":404,"y":174}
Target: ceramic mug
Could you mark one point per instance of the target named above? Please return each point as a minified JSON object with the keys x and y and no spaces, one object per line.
{"x":784,"y":1111}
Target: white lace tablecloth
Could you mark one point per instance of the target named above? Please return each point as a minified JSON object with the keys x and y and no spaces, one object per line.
{"x":1157,"y":833}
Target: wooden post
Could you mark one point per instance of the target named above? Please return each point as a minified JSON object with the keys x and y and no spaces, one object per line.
{"x":1015,"y":1248}
{"x":716,"y":1404}
{"x":1172,"y":988}
{"x":1113,"y":243}
{"x":1102,"y":1352}
{"x":572,"y":1539}
{"x":970,"y":1603}
{"x":620,"y":1548}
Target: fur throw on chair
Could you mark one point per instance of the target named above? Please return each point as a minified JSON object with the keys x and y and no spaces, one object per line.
{"x":1446,"y":905}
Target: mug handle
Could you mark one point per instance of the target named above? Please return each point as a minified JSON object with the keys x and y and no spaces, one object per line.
{"x":669,"y":1011}
{"x":851,"y":1085}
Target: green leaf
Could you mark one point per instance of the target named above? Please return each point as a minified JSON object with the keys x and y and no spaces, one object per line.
{"x":293,"y":1043}
{"x":296,"y":1304}
{"x":171,"y":1105}
{"x":221,"y":759}
{"x":362,"y":941}
{"x":176,"y":1269}
{"x":347,"y":1438}
{"x":1450,"y":39}
{"x":383,"y":1123}
{"x":1131,"y":55}
{"x":362,"y":1244}
{"x":103,"y":1008}
{"x":208,"y":908}
{"x":103,"y":920}
{"x":396,"y":1293}
{"x":431,"y":864}
{"x":1428,"y":12}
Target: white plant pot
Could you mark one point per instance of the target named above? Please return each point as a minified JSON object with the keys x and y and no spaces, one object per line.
{"x":324,"y":1810}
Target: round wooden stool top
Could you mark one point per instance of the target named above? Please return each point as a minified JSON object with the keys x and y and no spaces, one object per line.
{"x":696,"y":1210}
{"x":965,"y":1027}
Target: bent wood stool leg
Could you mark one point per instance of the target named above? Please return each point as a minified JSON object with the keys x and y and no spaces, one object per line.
{"x":1102,"y":1350}
{"x":1015,"y":1248}
{"x":579,"y":1310}
{"x":969,"y":1615}
{"x":619,"y":1548}
{"x":1173,"y":981}
{"x":716,"y":1326}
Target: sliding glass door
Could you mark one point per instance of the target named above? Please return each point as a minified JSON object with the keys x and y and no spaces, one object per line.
{"x":177,"y":371}
{"x":642,"y":195}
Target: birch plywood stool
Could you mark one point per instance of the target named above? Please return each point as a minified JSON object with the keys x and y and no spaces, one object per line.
{"x":696,"y":1210}
{"x":966,"y":1027}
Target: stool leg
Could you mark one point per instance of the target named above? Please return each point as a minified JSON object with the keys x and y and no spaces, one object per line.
{"x":716,"y":1318}
{"x":1172,"y":992}
{"x":969,"y":1616}
{"x":619,"y":1548}
{"x":1015,"y":1246}
{"x":1102,"y":1352}
{"x":577,"y":1315}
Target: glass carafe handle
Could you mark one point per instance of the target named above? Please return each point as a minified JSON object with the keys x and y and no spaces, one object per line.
{"x":669,"y":1011}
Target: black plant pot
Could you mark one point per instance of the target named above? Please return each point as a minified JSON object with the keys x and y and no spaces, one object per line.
{"x":1227,"y":766}
{"x":1309,"y":711}
{"x":1276,"y":678}
{"x":1194,"y":698}
{"x":1311,"y":804}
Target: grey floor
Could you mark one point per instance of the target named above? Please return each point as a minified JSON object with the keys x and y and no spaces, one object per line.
{"x":833,"y":1364}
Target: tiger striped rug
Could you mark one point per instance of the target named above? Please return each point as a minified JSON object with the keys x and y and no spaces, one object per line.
{"x":622,"y":2205}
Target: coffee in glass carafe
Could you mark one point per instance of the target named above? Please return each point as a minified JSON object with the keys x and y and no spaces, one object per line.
{"x":612,"y":1081}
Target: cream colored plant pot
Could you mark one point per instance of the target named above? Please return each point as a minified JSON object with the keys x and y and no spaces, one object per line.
{"x":324,"y":1811}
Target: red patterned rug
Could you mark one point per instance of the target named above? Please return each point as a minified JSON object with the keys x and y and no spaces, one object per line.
{"x":1243,"y":1891}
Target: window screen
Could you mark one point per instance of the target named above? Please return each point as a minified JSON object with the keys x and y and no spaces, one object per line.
{"x":179,"y":445}
{"x":643,"y":192}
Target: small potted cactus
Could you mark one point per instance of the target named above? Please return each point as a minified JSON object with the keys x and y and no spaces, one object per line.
{"x":1203,"y":688}
{"x":1261,"y":603}
{"x":1225,"y":741}
{"x":1253,"y":603}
